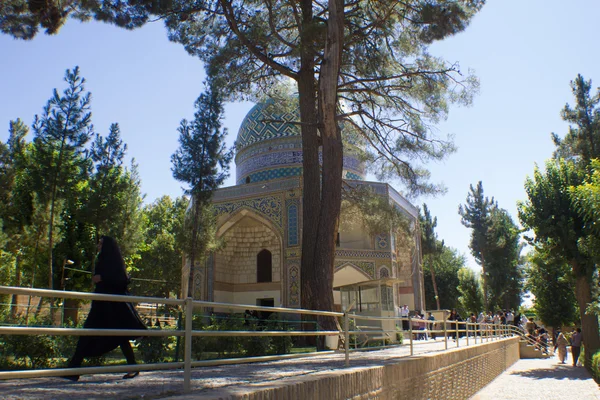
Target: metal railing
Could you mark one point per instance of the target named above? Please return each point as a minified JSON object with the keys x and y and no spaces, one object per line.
{"x":386,"y":337}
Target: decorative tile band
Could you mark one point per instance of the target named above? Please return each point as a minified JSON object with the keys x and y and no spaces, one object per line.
{"x":293,"y":284}
{"x":363,"y":254}
{"x":253,"y":190}
{"x":292,"y":221}
{"x":268,"y":206}
{"x":272,"y":174}
{"x":271,"y":159}
{"x":365,"y":266}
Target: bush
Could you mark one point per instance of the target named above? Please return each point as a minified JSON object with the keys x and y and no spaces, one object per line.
{"x":35,"y":351}
{"x":154,"y":349}
{"x":399,"y":335}
{"x":280,"y":344}
{"x":596,"y":366}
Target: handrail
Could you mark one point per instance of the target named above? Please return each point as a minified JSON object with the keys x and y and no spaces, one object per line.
{"x":485,"y":332}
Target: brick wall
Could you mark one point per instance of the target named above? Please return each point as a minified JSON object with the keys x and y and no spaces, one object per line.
{"x":236,"y":263}
{"x":454,"y":374}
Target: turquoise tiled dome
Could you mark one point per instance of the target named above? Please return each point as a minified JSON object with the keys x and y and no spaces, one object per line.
{"x":266,"y":121}
{"x":269,"y":146}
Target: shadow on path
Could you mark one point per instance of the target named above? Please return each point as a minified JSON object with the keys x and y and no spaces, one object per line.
{"x":559,"y":372}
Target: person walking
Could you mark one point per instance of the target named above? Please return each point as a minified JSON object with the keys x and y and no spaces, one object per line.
{"x":109,"y":277}
{"x":576,"y":340}
{"x":561,"y":343}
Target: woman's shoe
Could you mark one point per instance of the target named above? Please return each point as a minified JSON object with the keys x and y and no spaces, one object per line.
{"x":131,"y":375}
{"x":73,"y":378}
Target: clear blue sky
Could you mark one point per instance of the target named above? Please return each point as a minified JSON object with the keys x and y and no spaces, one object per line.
{"x":525,"y":53}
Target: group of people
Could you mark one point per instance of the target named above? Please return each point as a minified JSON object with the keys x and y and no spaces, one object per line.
{"x":561,"y":342}
{"x":419,"y":322}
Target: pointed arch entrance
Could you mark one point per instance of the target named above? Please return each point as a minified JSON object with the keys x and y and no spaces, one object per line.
{"x":248,"y":270}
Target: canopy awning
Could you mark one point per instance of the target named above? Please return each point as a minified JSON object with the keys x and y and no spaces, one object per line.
{"x":371,"y":283}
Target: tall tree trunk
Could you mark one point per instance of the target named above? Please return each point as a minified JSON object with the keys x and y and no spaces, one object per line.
{"x":332,"y":161}
{"x":589,"y":321}
{"x":13,"y":300}
{"x":311,"y":183}
{"x":484,"y":283}
{"x":435,"y":288}
{"x":190,"y":291}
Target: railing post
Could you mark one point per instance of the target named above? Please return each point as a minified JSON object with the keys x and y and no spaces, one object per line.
{"x":445,"y":332}
{"x":467,"y":332}
{"x":347,"y":338}
{"x":410,"y":335}
{"x":187,"y":353}
{"x":457,"y":333}
{"x":477,"y":328}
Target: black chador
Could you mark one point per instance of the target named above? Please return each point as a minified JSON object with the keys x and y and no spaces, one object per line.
{"x":109,"y":277}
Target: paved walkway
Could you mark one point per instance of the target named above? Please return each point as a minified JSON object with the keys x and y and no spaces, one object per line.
{"x":205,"y":381}
{"x":525,"y":380}
{"x":543,"y":379}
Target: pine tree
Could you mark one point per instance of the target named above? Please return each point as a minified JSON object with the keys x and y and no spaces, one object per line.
{"x":202,"y":162}
{"x":583,"y":139}
{"x":469,"y":287}
{"x":108,"y":181}
{"x":476,"y":216}
{"x":431,"y":247}
{"x":61,"y":133}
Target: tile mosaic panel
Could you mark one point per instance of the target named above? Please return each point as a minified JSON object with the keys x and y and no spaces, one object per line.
{"x":247,"y":190}
{"x":367,"y":267}
{"x":384,"y":272}
{"x":362,"y":254}
{"x":264,"y":122}
{"x":292,"y":222}
{"x":293,"y":284}
{"x":282,"y":144}
{"x":268,"y":206}
{"x":271,"y":174}
{"x":272,"y":159}
{"x":381,"y":241}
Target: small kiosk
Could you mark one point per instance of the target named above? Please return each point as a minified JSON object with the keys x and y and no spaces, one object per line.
{"x":372,"y":298}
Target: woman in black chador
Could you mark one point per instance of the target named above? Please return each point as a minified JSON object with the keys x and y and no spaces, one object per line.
{"x":110,"y":278}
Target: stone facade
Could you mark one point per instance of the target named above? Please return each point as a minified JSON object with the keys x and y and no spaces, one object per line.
{"x":263,"y":213}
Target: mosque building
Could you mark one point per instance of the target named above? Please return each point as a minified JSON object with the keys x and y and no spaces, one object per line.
{"x":260,"y":221}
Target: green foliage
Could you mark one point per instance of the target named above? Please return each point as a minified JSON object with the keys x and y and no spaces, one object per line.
{"x":280,"y":344}
{"x":471,"y":293}
{"x":362,"y":209}
{"x":446,"y":266}
{"x":399,"y":335}
{"x":559,"y":213}
{"x":583,"y":139}
{"x":551,"y":212}
{"x":161,"y":255}
{"x":202,"y":162}
{"x":550,"y":279}
{"x":504,"y":269}
{"x":154,"y":349}
{"x":59,"y":164}
{"x":30,"y":351}
{"x":431,"y":249}
{"x":596,"y":366}
{"x":495,"y":245}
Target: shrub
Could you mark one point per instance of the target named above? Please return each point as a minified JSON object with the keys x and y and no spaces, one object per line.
{"x":35,"y":351}
{"x":399,"y":335}
{"x":280,"y":344}
{"x":596,"y":366}
{"x":154,"y":349}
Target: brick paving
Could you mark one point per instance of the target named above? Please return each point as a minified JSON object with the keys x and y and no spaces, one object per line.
{"x":543,"y":379}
